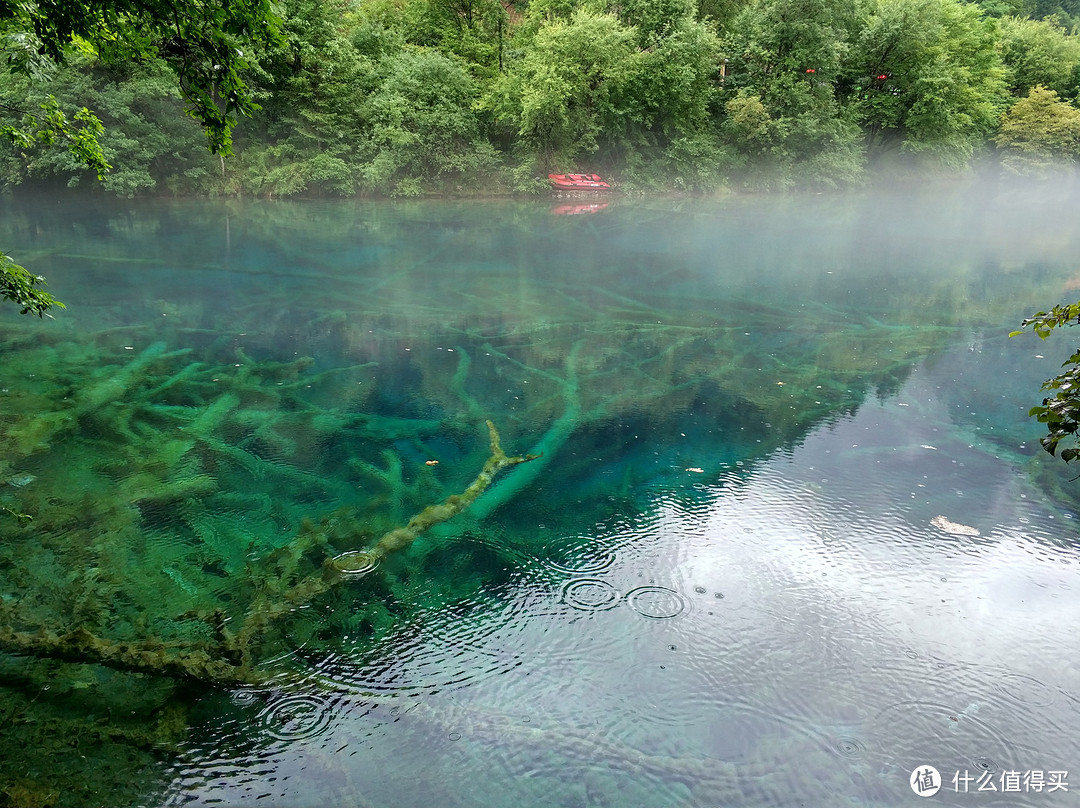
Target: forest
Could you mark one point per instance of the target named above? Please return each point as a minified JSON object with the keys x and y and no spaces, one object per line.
{"x":464,"y":97}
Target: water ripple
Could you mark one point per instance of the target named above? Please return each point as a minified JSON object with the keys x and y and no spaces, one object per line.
{"x":590,"y":594}
{"x":1025,"y":690}
{"x":663,"y":687}
{"x":450,"y":647}
{"x":849,"y":747}
{"x":657,"y":602}
{"x":355,"y":563}
{"x":579,"y":554}
{"x":961,"y":737}
{"x":296,"y":717}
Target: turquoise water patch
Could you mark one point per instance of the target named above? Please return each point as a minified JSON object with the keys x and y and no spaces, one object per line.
{"x":780,"y":531}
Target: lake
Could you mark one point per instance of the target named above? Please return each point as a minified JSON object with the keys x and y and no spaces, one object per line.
{"x":759,"y":519}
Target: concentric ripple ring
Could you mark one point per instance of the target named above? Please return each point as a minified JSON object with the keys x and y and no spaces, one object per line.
{"x":657,"y":602}
{"x":590,"y":594}
{"x":296,"y":718}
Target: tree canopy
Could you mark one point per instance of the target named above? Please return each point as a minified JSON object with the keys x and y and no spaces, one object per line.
{"x":408,"y":97}
{"x":207,"y":45}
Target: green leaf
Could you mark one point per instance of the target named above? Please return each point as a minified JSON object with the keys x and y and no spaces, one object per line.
{"x":20,"y":286}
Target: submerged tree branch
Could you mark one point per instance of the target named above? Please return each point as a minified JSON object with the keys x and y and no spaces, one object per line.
{"x":402,"y":537}
{"x":233,"y":662}
{"x":357,"y":562}
{"x":157,"y":659}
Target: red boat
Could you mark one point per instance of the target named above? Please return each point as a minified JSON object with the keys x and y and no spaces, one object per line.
{"x":578,"y":182}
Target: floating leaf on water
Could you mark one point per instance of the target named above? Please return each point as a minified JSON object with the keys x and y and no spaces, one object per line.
{"x":954,"y":528}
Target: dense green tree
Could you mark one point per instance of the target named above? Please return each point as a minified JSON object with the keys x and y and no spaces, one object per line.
{"x":629,"y":90}
{"x":669,"y":96}
{"x":567,"y":88}
{"x":1039,"y":52}
{"x":773,"y":40}
{"x":720,"y":12}
{"x":1039,"y":134}
{"x":1066,"y":12}
{"x":306,"y":136}
{"x":204,"y":41}
{"x":785,"y":56}
{"x":207,"y":43}
{"x":418,"y":96}
{"x":653,"y":19}
{"x":1001,"y":8}
{"x":925,"y":77}
{"x":147,"y":140}
{"x":424,"y":133}
{"x":474,"y":30}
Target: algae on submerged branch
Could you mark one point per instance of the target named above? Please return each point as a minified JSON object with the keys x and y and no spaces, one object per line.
{"x":231,"y":659}
{"x":340,"y":568}
{"x":192,"y":468}
{"x":157,"y":497}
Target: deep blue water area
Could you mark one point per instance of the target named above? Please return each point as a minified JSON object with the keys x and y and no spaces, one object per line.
{"x":786,"y":536}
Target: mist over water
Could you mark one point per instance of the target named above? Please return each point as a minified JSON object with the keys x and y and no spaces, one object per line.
{"x":790,"y":535}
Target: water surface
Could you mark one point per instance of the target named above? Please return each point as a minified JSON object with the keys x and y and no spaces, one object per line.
{"x":788,"y":537}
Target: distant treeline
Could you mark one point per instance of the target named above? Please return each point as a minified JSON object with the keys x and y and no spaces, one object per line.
{"x":413,"y":97}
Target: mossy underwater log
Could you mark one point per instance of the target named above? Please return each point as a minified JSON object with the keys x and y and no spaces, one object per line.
{"x":111,"y":387}
{"x":154,"y":658}
{"x":432,"y":515}
{"x":230,"y":663}
{"x":357,"y":562}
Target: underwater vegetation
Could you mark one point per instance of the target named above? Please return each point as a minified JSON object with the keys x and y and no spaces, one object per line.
{"x":132,"y":474}
{"x":186,"y":512}
{"x":174,"y":460}
{"x":211,"y":475}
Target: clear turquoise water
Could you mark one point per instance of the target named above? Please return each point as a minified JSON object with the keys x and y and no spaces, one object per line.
{"x":790,"y":536}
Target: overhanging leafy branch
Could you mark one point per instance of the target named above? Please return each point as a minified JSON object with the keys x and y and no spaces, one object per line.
{"x":22,"y":288}
{"x":1060,"y":412}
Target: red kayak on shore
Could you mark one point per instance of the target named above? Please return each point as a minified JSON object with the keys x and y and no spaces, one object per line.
{"x":578,"y":182}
